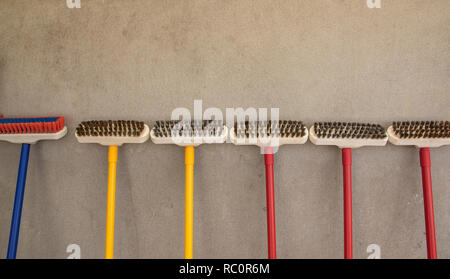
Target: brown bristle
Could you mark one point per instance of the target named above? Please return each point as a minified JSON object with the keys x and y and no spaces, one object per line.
{"x":281,"y":128}
{"x":349,"y":130}
{"x":110,"y":128}
{"x":196,"y":128}
{"x":421,"y":129}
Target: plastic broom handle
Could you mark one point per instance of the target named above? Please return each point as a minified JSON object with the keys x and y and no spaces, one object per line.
{"x":425,"y":163}
{"x":111,"y":201}
{"x":270,"y":196}
{"x":347,"y":168}
{"x":18,"y":202}
{"x":189,"y":203}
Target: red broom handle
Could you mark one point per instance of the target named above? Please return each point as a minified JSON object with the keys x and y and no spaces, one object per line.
{"x":425,"y":163}
{"x":347,"y":167}
{"x":270,"y":195}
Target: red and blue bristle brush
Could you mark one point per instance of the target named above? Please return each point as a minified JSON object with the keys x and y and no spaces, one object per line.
{"x":423,"y":135}
{"x":26,"y":131}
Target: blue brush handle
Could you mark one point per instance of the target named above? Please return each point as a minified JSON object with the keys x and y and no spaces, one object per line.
{"x":18,"y":201}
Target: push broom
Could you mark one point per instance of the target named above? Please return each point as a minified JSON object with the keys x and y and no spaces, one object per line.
{"x":112,"y":134}
{"x":347,"y":136}
{"x":269,"y":135}
{"x":188,"y":134}
{"x":26,"y":131}
{"x":424,"y":135}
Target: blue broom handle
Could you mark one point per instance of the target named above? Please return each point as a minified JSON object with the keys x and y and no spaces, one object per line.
{"x":18,"y":201}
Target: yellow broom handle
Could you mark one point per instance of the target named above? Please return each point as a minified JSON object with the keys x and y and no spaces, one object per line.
{"x":189,"y":203}
{"x":112,"y":167}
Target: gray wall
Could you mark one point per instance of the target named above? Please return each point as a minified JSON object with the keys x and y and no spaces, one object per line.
{"x":313,"y":59}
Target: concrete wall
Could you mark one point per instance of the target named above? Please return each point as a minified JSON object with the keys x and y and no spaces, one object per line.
{"x":313,"y":59}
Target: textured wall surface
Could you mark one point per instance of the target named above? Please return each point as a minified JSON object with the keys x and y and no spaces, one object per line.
{"x":313,"y":59}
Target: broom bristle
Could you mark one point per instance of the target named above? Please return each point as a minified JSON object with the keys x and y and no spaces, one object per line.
{"x":269,"y":129}
{"x":110,"y":128}
{"x":347,"y":130}
{"x":181,"y":128}
{"x":35,"y":125}
{"x":421,"y":129}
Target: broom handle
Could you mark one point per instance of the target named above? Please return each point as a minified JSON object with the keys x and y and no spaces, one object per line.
{"x":189,"y":203}
{"x":18,"y":202}
{"x":347,"y":168}
{"x":425,"y":163}
{"x":270,"y":196}
{"x":111,"y":202}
